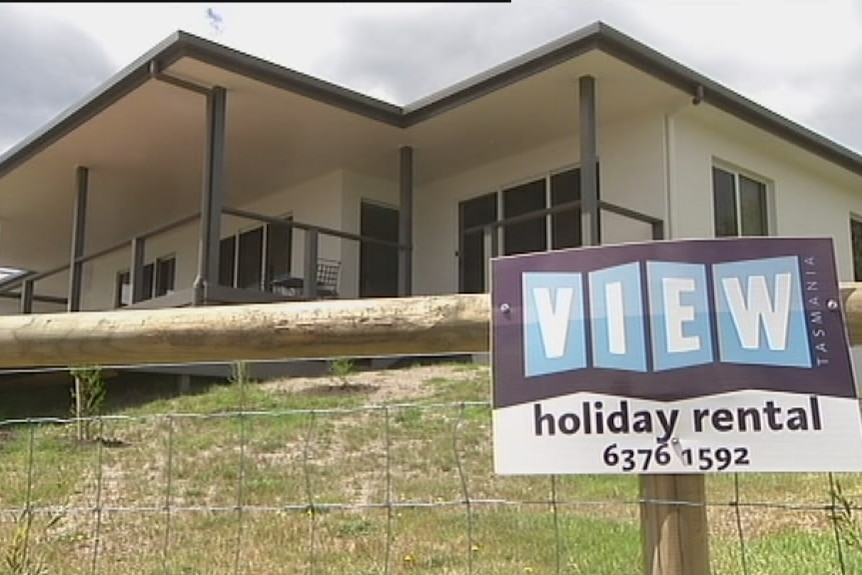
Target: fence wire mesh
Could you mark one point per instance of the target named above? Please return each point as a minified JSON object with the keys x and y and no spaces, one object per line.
{"x":342,"y":476}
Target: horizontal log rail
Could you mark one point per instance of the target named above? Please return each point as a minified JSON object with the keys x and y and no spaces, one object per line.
{"x":294,"y":330}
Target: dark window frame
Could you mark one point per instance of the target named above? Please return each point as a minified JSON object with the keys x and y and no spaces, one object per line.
{"x":150,"y":280}
{"x":123,"y":278}
{"x":165,"y":266}
{"x":268,"y":266}
{"x":856,"y":246}
{"x":731,"y":218}
{"x":553,"y":223}
{"x":561,"y":230}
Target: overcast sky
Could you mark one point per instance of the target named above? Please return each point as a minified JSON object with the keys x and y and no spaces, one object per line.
{"x":801,"y":58}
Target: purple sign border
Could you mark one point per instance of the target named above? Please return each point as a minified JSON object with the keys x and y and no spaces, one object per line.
{"x":511,"y":387}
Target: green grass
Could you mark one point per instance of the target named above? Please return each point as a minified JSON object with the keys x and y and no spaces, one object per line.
{"x":291,"y":461}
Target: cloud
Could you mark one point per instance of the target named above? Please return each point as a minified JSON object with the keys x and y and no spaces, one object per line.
{"x":46,"y":65}
{"x":806,"y":68}
{"x":839,"y":112}
{"x":404,"y":57}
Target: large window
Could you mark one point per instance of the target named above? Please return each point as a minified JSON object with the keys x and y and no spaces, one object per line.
{"x":559,"y":230}
{"x":739,"y":204}
{"x":251,"y":259}
{"x":157,"y":279}
{"x":524,"y":235}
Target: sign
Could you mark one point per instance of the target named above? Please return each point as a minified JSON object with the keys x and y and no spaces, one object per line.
{"x":698,"y":356}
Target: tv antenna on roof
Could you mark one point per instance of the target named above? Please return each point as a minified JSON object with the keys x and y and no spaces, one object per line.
{"x":215,"y":20}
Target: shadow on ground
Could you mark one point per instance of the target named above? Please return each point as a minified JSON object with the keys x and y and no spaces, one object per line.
{"x":49,"y":394}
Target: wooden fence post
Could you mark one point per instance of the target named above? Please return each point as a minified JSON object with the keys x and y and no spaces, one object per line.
{"x":78,"y":408}
{"x":674,"y":537}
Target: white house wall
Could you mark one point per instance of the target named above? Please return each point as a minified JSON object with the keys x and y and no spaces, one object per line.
{"x":631,"y":173}
{"x":99,"y":278}
{"x":803,"y":203}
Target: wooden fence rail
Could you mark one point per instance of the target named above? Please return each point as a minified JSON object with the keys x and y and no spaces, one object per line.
{"x":674,"y":536}
{"x":294,"y":330}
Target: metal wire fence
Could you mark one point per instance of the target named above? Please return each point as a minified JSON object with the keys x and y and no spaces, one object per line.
{"x":252,"y":479}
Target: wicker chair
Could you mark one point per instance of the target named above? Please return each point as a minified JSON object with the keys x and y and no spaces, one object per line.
{"x":327,"y":278}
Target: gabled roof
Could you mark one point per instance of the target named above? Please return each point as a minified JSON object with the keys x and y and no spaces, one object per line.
{"x":597,"y":36}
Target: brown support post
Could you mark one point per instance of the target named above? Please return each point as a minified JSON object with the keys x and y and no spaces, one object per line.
{"x":658,"y":231}
{"x":136,"y":270}
{"x":590,"y":215}
{"x":405,"y":224}
{"x":27,"y":296}
{"x":309,"y":282}
{"x":79,"y":222}
{"x":212,"y":194}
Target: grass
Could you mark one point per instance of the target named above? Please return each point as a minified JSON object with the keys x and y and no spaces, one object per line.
{"x":263,"y":491}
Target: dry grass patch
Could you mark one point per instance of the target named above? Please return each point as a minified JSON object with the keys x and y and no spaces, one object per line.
{"x":354,"y":478}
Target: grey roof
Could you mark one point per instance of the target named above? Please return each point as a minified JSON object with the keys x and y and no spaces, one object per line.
{"x":597,"y":36}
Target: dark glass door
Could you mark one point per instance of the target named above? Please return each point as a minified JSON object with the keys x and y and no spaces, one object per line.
{"x":378,"y":264}
{"x":472,"y":259}
{"x":250,"y":259}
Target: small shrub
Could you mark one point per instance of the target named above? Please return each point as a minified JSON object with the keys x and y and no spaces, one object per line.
{"x":239,"y":373}
{"x":18,"y":555}
{"x":91,"y":387}
{"x":341,"y":369}
{"x":845,"y":521}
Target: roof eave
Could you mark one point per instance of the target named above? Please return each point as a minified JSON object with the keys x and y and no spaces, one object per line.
{"x":509,"y":72}
{"x":119,"y":85}
{"x":596,"y":36}
{"x":286,"y":79}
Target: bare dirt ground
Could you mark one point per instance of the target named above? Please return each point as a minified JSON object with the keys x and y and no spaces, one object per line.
{"x":385,"y":386}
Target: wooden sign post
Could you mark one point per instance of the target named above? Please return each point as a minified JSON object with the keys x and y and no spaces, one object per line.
{"x":674,"y":537}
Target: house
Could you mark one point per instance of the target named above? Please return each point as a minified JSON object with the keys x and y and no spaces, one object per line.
{"x":200,"y":175}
